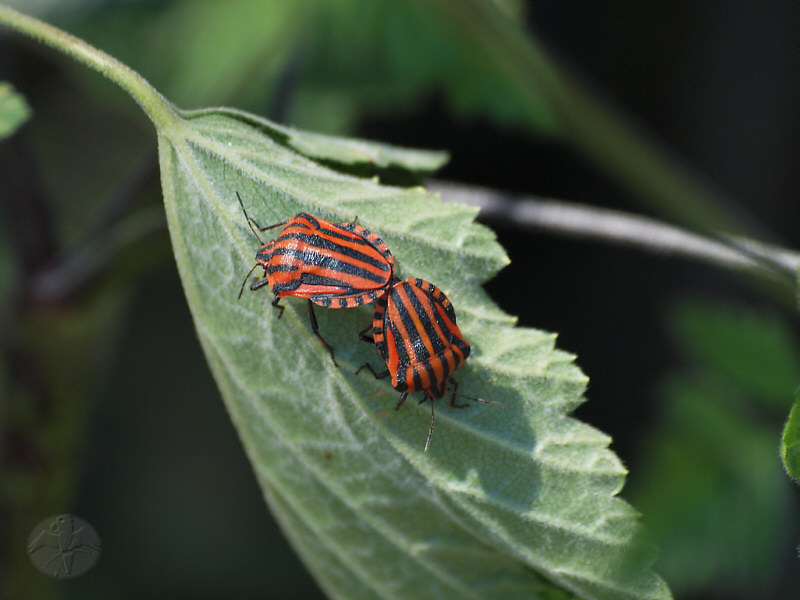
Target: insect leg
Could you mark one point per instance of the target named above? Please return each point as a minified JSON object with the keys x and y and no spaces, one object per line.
{"x":315,"y":329}
{"x":362,"y":335}
{"x":368,"y":367}
{"x":268,"y":227}
{"x":278,"y":306}
{"x":257,"y":284}
{"x":455,"y":393}
{"x":241,"y":289}
{"x":403,"y":397}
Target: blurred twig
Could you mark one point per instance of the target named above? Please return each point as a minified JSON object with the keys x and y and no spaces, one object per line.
{"x":561,"y":106}
{"x":556,"y":216}
{"x":120,"y":223}
{"x":126,"y":197}
{"x":83,"y":264}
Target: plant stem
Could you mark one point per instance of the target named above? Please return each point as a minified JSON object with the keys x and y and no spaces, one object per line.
{"x":577,"y":220}
{"x":158,"y":108}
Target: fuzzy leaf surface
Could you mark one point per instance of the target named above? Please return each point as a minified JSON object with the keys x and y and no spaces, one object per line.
{"x":515,"y":501}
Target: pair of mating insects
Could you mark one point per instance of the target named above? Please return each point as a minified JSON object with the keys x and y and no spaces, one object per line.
{"x":343,"y":266}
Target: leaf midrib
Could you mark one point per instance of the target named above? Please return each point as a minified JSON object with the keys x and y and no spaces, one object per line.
{"x":227,"y":366}
{"x":210,"y":193}
{"x":192,"y":167}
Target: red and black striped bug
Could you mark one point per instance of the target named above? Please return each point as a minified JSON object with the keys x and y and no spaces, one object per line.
{"x":335,"y":266}
{"x":414,"y":330}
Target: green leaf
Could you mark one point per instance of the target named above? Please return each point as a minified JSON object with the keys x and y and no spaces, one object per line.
{"x":507,"y":499}
{"x":718,"y":506}
{"x":381,"y":57}
{"x":790,"y":441}
{"x":345,"y":152}
{"x":201,"y":52}
{"x":714,"y":452}
{"x":14,"y":111}
{"x":511,"y":502}
{"x":754,"y":349}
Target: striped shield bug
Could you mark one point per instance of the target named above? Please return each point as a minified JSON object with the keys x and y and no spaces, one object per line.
{"x":414,"y":330}
{"x":335,"y":266}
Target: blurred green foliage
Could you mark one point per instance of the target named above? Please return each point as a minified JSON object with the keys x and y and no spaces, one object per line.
{"x":14,"y":111}
{"x":752,"y":350}
{"x":708,"y":478}
{"x":790,"y":443}
{"x":340,"y":60}
{"x":325,"y":65}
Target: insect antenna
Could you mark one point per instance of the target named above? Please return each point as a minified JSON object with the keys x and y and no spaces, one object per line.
{"x":430,"y":430}
{"x":432,"y":400}
{"x":246,"y":277}
{"x":253,"y":229}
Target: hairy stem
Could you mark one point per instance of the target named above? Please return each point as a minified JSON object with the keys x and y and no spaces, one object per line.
{"x":158,"y":108}
{"x":577,"y":220}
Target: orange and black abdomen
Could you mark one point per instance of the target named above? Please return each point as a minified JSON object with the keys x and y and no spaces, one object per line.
{"x":336,"y":266}
{"x":415,"y":331}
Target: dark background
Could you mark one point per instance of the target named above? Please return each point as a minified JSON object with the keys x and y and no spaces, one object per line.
{"x":716,"y":82}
